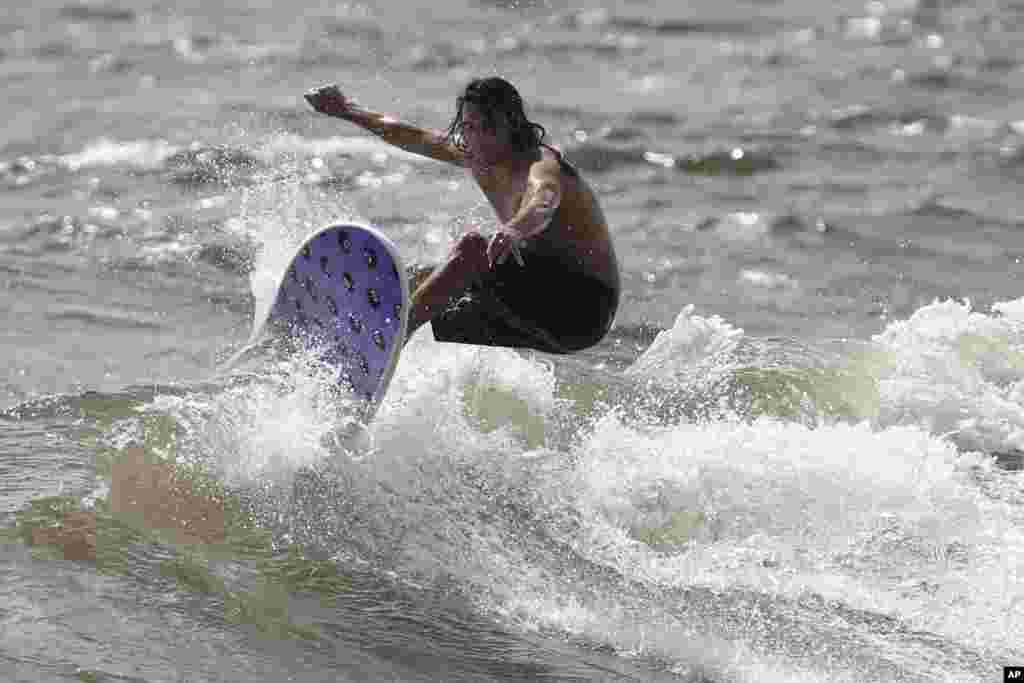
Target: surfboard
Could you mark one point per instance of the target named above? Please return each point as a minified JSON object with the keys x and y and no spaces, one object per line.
{"x":344,"y":295}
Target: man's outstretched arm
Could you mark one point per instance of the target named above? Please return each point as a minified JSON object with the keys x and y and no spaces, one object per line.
{"x":329,"y":100}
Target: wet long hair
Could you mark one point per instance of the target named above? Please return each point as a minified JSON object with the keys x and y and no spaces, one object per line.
{"x":500,"y":107}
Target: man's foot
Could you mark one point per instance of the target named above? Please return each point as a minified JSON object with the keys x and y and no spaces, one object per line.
{"x":417,"y":275}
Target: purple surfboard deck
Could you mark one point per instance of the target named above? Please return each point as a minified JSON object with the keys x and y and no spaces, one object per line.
{"x":345,"y":294}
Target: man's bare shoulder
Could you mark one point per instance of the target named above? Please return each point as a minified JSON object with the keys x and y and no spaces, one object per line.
{"x":547,"y":168}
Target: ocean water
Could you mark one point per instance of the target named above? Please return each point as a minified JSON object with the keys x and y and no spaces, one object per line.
{"x":798,"y":455}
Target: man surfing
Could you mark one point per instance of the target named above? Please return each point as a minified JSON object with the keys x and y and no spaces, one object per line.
{"x":548,"y":279}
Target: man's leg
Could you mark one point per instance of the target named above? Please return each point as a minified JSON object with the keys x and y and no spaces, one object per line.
{"x":467,"y":263}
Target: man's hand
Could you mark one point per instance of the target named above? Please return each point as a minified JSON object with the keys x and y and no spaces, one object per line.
{"x":501,"y":245}
{"x":328,"y":99}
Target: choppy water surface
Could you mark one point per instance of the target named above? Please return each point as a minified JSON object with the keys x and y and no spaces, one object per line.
{"x":797,"y":457}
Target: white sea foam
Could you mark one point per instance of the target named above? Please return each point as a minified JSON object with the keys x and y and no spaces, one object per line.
{"x":743,"y":226}
{"x":767,"y":280}
{"x":693,"y":344}
{"x":959,"y":372}
{"x":890,"y":521}
{"x":152,"y":154}
{"x":287,"y":145}
{"x":885,"y":518}
{"x":144,"y":155}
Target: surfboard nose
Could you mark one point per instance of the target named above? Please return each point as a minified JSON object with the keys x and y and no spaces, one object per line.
{"x":343,"y":297}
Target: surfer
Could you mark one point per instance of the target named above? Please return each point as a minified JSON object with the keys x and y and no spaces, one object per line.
{"x":548,"y":278}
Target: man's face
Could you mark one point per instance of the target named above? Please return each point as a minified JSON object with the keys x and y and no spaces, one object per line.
{"x":484,"y":145}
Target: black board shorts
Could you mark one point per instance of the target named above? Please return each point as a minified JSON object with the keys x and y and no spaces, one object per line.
{"x":542,"y":305}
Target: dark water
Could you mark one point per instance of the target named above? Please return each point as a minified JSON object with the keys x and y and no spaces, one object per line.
{"x":797,"y":457}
